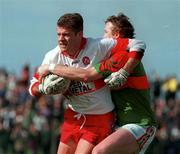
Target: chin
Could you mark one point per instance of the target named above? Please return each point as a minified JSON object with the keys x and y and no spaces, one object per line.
{"x":63,"y":48}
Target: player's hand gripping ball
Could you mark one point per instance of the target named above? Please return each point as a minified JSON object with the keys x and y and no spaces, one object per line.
{"x":53,"y":84}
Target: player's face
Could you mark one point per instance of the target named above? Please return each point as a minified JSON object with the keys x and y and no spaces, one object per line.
{"x":68,"y":40}
{"x":108,"y":31}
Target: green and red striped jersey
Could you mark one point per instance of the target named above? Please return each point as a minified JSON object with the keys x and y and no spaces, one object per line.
{"x":132,"y":100}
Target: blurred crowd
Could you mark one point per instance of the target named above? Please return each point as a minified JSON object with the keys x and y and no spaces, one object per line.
{"x":166,"y":104}
{"x":31,"y":125}
{"x":28,"y":125}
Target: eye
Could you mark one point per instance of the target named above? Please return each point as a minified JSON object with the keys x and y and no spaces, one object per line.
{"x":66,"y":34}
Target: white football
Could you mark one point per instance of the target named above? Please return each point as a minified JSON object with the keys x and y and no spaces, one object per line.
{"x":54,"y":84}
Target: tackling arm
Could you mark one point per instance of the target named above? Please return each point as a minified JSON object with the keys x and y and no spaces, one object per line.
{"x":136,"y":50}
{"x":71,"y":73}
{"x":79,"y":74}
{"x":102,"y":69}
{"x":113,"y":64}
{"x":131,"y":64}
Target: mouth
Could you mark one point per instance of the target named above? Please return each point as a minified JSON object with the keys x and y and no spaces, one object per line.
{"x":62,"y":45}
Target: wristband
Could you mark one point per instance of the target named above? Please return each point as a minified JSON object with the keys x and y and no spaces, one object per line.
{"x":125,"y":73}
{"x":51,"y":67}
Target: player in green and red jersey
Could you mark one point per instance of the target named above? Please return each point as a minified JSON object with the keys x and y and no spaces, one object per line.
{"x":135,"y":89}
{"x":135,"y":119}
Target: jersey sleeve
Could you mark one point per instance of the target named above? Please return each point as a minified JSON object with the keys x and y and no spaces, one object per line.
{"x":114,"y":63}
{"x":46,"y":59}
{"x":35,"y":79}
{"x":123,"y":50}
{"x":136,"y":48}
{"x":34,"y":82}
{"x":50,"y":57}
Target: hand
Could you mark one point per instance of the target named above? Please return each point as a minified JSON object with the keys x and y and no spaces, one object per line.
{"x":53,"y":84}
{"x":43,"y":70}
{"x":46,"y":84}
{"x":117,"y":79}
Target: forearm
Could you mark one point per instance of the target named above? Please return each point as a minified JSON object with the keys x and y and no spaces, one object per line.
{"x":79,"y":74}
{"x":119,"y":78}
{"x":130,"y":65}
{"x":136,"y":52}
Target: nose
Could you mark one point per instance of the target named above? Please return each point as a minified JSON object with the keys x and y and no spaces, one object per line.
{"x":60,"y":37}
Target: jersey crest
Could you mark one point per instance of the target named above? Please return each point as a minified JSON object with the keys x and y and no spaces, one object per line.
{"x":86,"y":60}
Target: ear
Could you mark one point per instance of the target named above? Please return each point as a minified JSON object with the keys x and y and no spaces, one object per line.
{"x":116,"y":35}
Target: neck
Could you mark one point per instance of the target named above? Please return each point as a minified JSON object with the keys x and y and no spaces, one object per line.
{"x":74,"y":50}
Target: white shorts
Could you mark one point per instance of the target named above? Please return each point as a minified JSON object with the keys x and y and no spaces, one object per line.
{"x":143,"y":134}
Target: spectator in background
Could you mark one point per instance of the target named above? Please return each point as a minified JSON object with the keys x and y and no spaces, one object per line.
{"x":170,"y":86}
{"x":25,"y":74}
{"x":167,"y":109}
{"x":156,"y":88}
{"x":4,"y":137}
{"x":17,"y":111}
{"x":33,"y":139}
{"x":19,"y":139}
{"x":45,"y":138}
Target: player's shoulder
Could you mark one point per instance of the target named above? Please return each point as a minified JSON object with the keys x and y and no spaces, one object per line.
{"x":53,"y":51}
{"x":102,"y":41}
{"x":134,"y":40}
{"x":129,"y":40}
{"x":137,"y":43}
